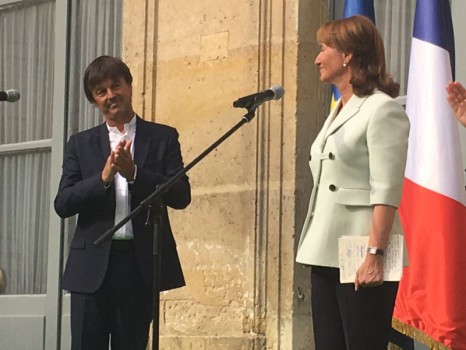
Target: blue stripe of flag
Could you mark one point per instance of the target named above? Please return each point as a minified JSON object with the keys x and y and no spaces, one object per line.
{"x":432,"y":23}
{"x":359,"y":7}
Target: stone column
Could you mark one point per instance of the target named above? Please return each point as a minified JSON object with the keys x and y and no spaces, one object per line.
{"x":237,"y":240}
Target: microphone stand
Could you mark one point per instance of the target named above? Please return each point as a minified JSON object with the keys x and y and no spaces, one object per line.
{"x":153,"y":203}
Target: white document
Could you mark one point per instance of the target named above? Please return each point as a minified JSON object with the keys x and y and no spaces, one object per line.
{"x":353,"y":251}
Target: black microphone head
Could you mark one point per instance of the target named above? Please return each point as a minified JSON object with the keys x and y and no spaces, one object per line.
{"x":11,"y":95}
{"x":278,"y":91}
{"x":275,"y":92}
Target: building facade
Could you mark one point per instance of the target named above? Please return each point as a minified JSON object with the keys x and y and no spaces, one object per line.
{"x":190,"y":61}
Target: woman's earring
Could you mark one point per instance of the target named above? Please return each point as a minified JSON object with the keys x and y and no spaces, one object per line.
{"x":345,"y":64}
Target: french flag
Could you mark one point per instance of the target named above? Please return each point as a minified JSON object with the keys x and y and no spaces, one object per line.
{"x":431,"y":302}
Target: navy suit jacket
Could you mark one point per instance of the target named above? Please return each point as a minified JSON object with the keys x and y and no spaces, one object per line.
{"x":81,"y":191}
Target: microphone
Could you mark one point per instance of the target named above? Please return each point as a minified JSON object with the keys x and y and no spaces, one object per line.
{"x":275,"y":92}
{"x":10,"y":95}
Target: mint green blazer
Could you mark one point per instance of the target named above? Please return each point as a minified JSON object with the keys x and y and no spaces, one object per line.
{"x":357,"y":160}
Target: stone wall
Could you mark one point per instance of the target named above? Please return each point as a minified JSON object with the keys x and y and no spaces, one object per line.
{"x":237,"y":240}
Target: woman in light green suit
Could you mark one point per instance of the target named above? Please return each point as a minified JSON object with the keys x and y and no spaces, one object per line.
{"x":357,"y":163}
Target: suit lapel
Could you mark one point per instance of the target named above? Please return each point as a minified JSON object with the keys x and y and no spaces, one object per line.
{"x":330,"y":119}
{"x":347,"y":112}
{"x":141,"y":142}
{"x":103,"y":140}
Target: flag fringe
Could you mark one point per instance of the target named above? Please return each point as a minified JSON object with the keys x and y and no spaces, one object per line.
{"x":416,"y":334}
{"x":392,"y":346}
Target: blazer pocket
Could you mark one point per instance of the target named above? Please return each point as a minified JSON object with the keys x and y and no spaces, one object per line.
{"x":354,"y":196}
{"x":78,"y":243}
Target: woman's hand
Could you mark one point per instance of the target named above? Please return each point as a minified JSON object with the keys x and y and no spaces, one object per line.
{"x":370,"y":273}
{"x":457,"y":100}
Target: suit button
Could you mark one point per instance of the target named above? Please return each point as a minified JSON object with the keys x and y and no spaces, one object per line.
{"x":310,"y":157}
{"x":331,"y":156}
{"x":332,"y":188}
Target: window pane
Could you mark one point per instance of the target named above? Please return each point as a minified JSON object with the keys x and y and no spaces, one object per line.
{"x":26,"y":64}
{"x":24,"y":224}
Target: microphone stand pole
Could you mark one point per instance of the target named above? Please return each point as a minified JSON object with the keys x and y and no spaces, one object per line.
{"x":153,"y":203}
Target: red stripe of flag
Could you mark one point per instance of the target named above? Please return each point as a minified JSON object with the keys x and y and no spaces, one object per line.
{"x":435,"y":299}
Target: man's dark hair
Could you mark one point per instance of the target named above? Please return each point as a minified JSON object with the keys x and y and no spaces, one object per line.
{"x":103,"y":68}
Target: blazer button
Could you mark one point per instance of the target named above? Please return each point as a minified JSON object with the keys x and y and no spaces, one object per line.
{"x":331,"y":156}
{"x":332,"y":188}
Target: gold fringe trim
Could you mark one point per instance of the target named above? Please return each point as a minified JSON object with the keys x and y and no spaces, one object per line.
{"x":416,"y":334}
{"x":393,"y":347}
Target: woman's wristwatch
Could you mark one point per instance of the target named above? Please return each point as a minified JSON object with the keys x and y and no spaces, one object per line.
{"x":375,"y":251}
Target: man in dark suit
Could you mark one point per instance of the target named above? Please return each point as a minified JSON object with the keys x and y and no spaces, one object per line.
{"x":107,"y":171}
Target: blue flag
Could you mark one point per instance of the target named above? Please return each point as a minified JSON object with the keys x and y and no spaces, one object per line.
{"x":359,"y":7}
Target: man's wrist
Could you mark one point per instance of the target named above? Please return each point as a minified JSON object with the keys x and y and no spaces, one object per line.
{"x":107,"y":184}
{"x":106,"y":181}
{"x":131,"y":181}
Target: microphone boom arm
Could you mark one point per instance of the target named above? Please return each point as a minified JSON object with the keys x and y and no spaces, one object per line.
{"x":166,"y":186}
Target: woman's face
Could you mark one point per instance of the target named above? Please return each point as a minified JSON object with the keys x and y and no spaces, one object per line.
{"x":330,"y":62}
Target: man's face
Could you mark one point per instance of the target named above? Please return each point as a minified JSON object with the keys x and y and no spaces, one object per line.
{"x":113,"y":98}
